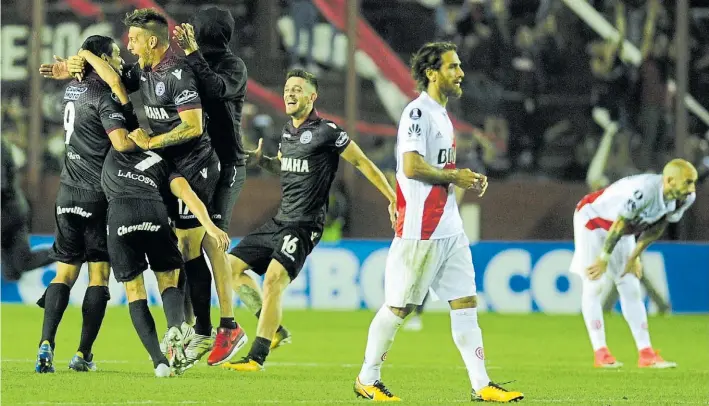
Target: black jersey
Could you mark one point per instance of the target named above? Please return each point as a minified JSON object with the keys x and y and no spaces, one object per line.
{"x":168,"y":88}
{"x":309,"y":161}
{"x":139,"y":175}
{"x":90,"y":113}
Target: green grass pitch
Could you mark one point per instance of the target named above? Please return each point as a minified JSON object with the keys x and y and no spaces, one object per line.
{"x":548,"y":357}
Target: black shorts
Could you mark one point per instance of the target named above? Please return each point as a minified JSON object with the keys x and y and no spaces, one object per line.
{"x":204,"y":183}
{"x":288,"y":244}
{"x":136,"y":229}
{"x":81,"y":226}
{"x":231,"y":181}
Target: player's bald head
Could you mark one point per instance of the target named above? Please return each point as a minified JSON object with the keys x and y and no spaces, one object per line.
{"x":679,"y":169}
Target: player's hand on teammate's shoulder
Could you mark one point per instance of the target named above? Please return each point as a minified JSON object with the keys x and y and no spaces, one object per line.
{"x":597,"y":270}
{"x":141,"y":138}
{"x":184,"y":36}
{"x":467,"y":179}
{"x":220,"y":236}
{"x":634,"y":267}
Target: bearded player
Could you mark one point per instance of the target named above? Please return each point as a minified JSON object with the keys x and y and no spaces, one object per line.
{"x":430,"y":250}
{"x":606,"y":223}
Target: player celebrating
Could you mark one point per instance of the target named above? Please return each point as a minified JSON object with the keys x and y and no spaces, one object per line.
{"x":135,"y":184}
{"x":174,"y":111}
{"x":90,"y":112}
{"x":605,"y":225}
{"x":307,"y":162}
{"x":430,"y":250}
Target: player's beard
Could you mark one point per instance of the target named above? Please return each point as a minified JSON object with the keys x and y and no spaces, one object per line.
{"x":452,"y":90}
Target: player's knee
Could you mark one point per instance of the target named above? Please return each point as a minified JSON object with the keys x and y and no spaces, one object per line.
{"x":238,"y":267}
{"x":167,"y":279}
{"x":190,"y":243}
{"x":468,"y":302}
{"x":66,"y":274}
{"x":135,"y":289}
{"x":276,"y":279}
{"x":99,"y":273}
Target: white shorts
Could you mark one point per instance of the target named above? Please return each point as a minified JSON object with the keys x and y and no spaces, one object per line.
{"x":588,"y":245}
{"x":445,"y":266}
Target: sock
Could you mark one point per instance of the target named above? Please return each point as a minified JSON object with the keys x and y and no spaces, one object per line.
{"x":55,"y":300}
{"x":280,"y":327}
{"x":469,"y":339}
{"x":172,"y":303}
{"x":381,"y":335}
{"x":260,"y":349}
{"x":592,"y":311}
{"x":227,"y":322}
{"x":634,"y":310}
{"x":93,"y":309}
{"x":199,"y":279}
{"x":145,"y":327}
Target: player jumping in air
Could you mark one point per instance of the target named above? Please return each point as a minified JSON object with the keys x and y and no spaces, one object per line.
{"x":605,"y":225}
{"x":430,"y":250}
{"x":90,"y":113}
{"x":309,"y":155}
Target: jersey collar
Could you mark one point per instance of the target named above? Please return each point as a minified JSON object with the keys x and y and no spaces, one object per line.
{"x":314,"y":116}
{"x":163,"y":61}
{"x":426,"y":98}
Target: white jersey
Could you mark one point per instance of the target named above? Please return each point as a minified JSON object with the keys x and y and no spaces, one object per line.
{"x":638,"y":199}
{"x":426,"y":211}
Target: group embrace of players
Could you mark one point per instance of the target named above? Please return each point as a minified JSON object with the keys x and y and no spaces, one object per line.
{"x":119,"y":193}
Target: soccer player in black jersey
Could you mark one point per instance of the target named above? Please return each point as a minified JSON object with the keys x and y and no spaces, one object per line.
{"x":17,"y":257}
{"x":93,"y":121}
{"x":309,"y":155}
{"x":174,"y":110}
{"x":222,"y":80}
{"x":136,"y":185}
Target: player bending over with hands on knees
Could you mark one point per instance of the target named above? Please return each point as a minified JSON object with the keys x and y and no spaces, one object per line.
{"x":430,"y":250}
{"x":307,"y":162}
{"x":605,"y":225}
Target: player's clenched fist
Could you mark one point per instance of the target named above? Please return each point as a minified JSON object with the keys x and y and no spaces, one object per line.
{"x":141,"y":138}
{"x":467,"y":179}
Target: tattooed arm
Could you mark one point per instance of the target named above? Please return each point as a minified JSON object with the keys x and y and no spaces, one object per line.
{"x":190,"y":127}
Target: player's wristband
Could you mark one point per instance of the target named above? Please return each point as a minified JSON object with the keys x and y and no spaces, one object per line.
{"x":604,"y":256}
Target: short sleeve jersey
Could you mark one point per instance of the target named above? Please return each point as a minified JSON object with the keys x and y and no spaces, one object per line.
{"x":310,"y":155}
{"x":90,"y":112}
{"x":426,"y":211}
{"x":137,"y":175}
{"x":639,"y":199}
{"x":167,"y":89}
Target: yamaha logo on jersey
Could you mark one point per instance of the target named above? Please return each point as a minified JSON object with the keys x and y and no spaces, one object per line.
{"x":415,"y":114}
{"x":414,"y":130}
{"x":306,"y":137}
{"x":294,"y":165}
{"x":156,"y":113}
{"x":160,"y":89}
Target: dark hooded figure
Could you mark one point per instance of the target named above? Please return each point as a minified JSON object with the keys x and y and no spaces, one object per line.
{"x":221,"y":79}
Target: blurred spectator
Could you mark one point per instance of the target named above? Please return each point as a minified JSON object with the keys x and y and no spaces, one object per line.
{"x":305,"y":16}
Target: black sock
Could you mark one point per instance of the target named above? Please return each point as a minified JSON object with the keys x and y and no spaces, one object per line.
{"x":145,"y":327}
{"x":199,"y":280}
{"x":260,"y":349}
{"x":94,"y":308}
{"x":54,"y":301}
{"x":172,"y":303}
{"x":228,"y":322}
{"x":258,"y":316}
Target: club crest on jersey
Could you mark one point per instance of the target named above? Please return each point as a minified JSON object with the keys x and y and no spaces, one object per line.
{"x":414,"y":130}
{"x":185,"y":96}
{"x":342,"y":139}
{"x":415,"y":114}
{"x":74,"y":92}
{"x":160,"y":89}
{"x":306,"y":137}
{"x":294,"y":165}
{"x":178,"y":74}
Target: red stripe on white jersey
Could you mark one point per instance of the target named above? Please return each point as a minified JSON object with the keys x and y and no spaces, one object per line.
{"x":433,"y":210}
{"x":589,"y":198}
{"x":400,"y":211}
{"x":598,"y":222}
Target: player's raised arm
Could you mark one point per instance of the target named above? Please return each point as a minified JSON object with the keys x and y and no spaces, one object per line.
{"x":182,"y":190}
{"x":107,"y":74}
